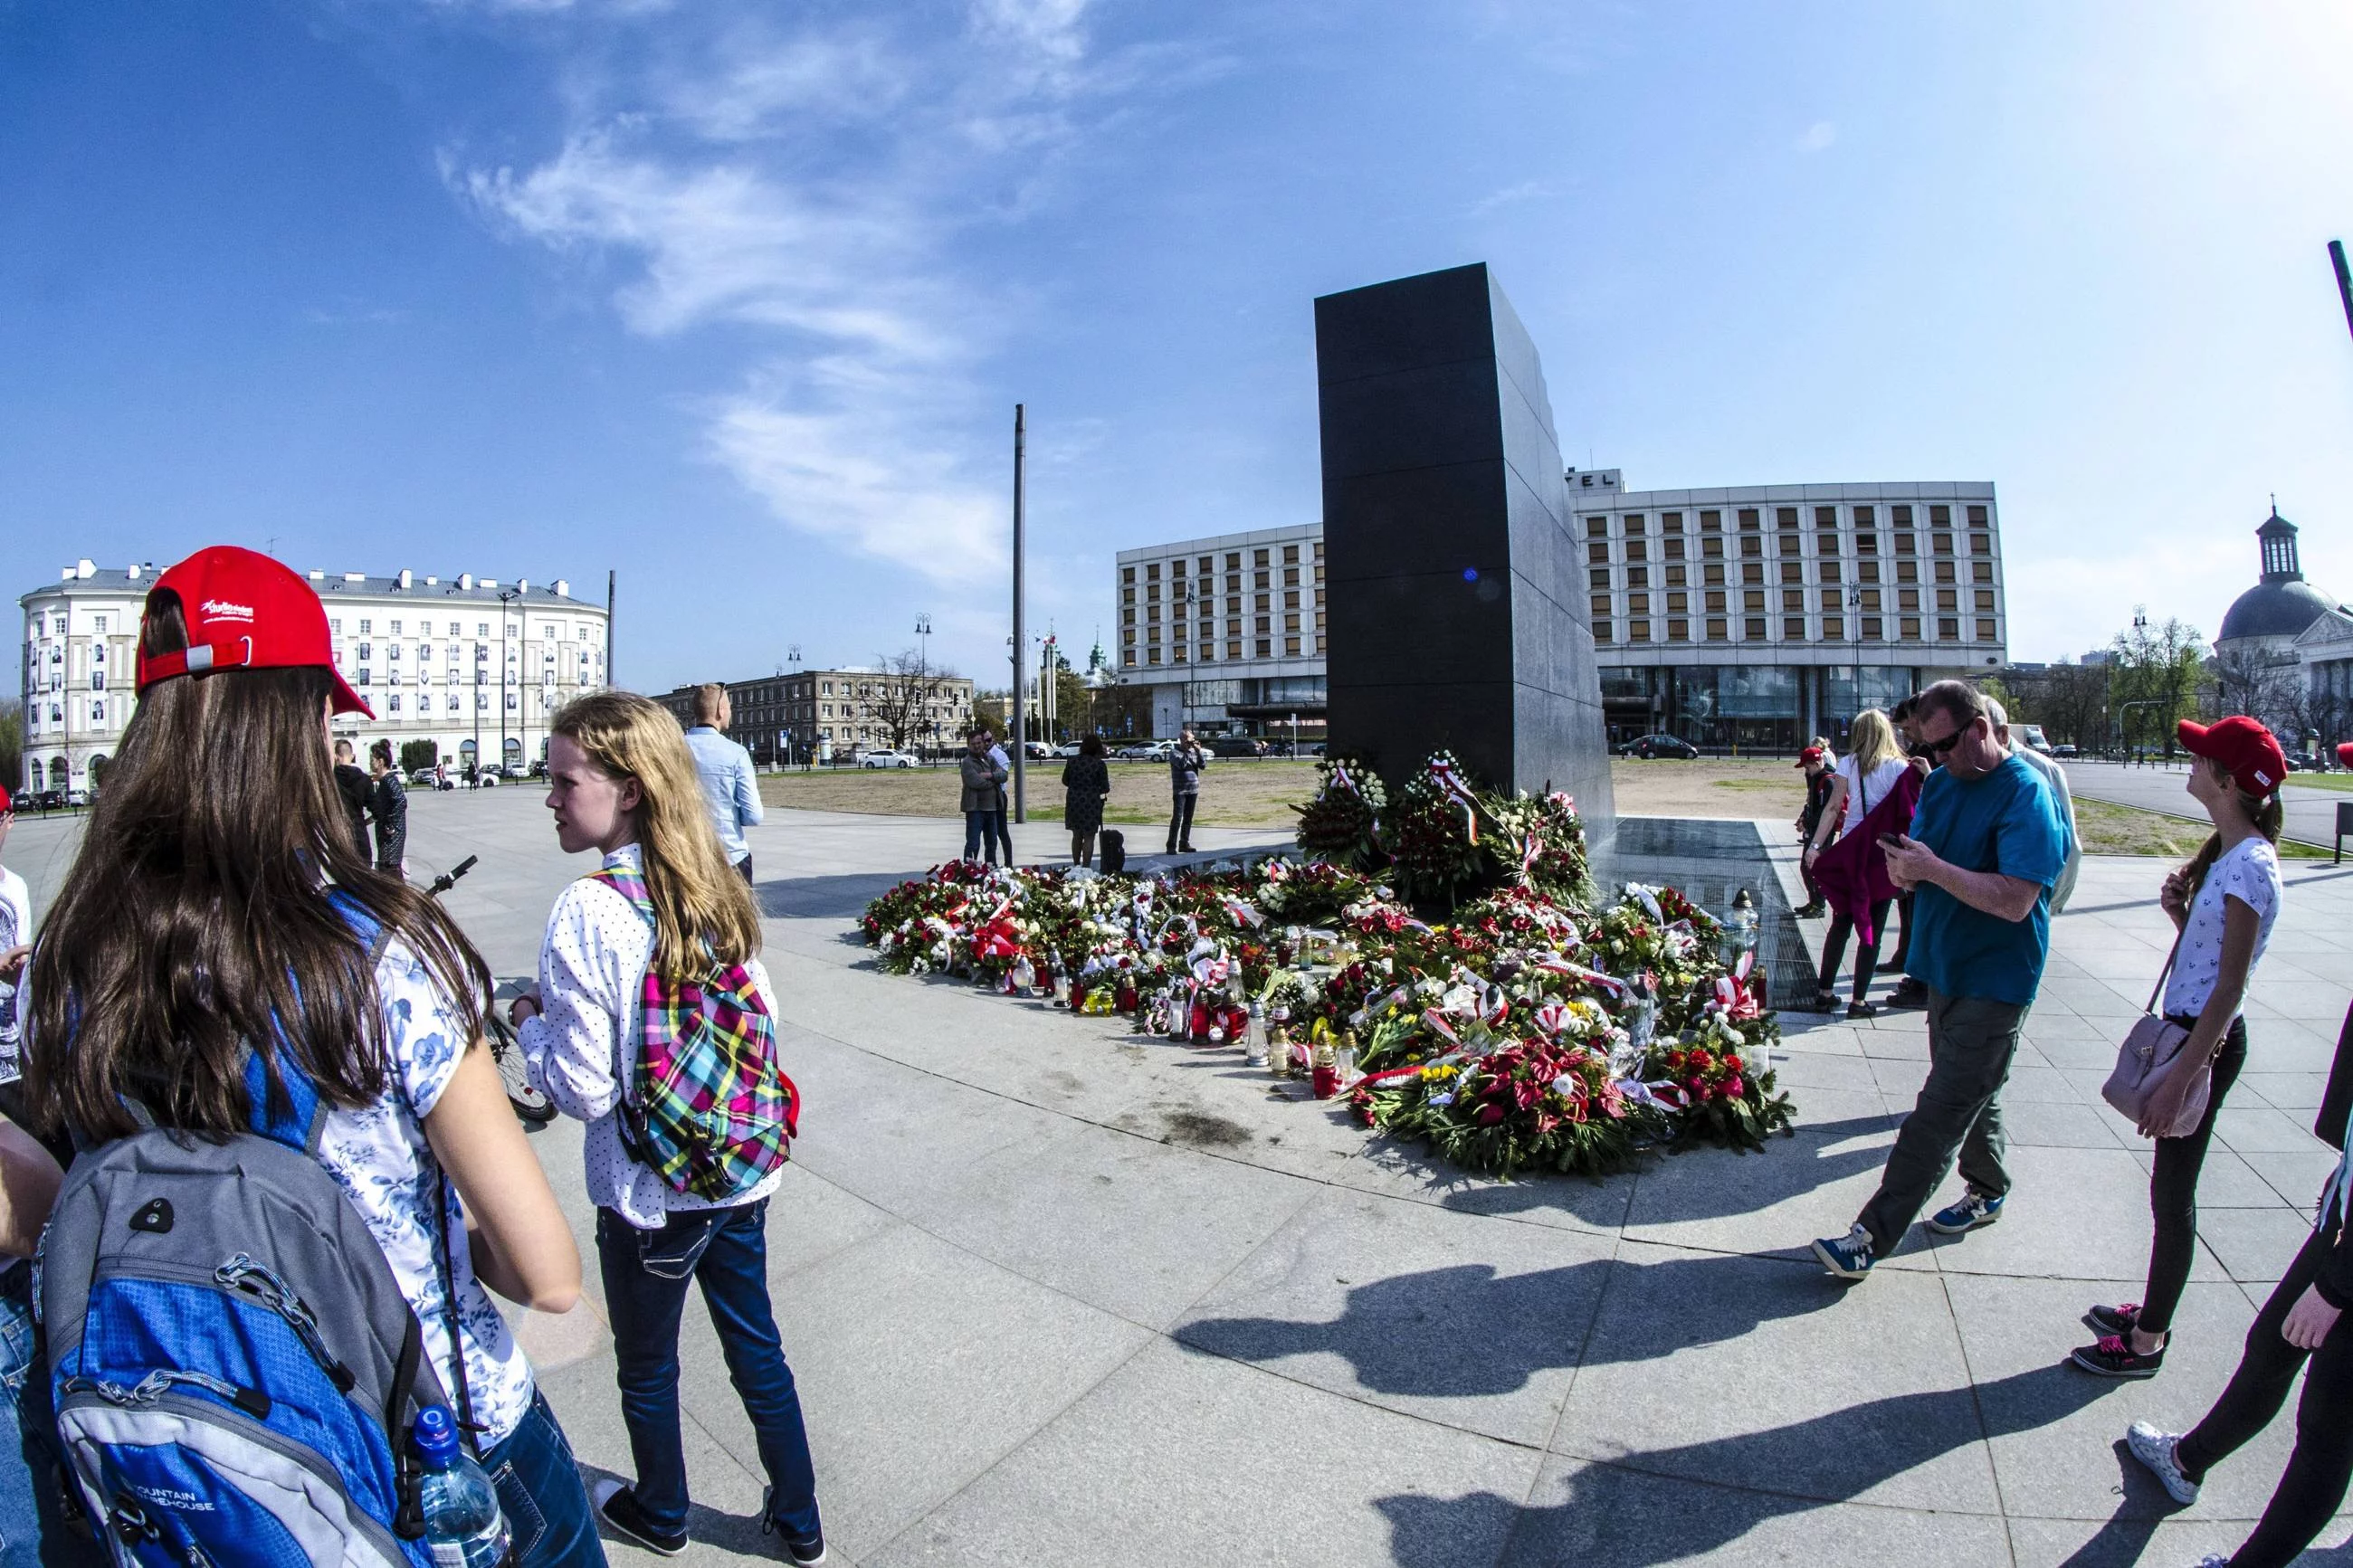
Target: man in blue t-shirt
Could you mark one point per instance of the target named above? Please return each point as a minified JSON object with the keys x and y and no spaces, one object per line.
{"x":1987,"y":843}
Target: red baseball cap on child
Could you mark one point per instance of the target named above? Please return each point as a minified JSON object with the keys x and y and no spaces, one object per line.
{"x":7,"y":805}
{"x":1810,"y":754}
{"x":246,"y":611}
{"x":2243,"y":747}
{"x":2345,"y":754}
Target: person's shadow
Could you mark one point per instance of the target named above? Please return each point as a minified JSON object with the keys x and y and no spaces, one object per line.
{"x":1666,"y":1505}
{"x":1465,"y":1330}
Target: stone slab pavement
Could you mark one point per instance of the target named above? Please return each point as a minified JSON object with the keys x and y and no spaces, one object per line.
{"x":1058,"y":1295}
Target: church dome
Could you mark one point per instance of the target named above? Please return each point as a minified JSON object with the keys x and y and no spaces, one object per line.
{"x":2283,"y":604}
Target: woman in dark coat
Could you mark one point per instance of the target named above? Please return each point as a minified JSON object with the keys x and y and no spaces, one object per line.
{"x":1086,"y":781}
{"x":388,"y":803}
{"x":982,"y":779}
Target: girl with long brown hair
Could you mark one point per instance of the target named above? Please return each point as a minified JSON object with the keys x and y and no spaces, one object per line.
{"x":664,"y":908}
{"x":196,"y":932}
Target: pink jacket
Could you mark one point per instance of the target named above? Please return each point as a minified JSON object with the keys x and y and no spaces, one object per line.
{"x":1852,"y":872}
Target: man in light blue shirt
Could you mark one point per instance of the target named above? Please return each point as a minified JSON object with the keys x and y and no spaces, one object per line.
{"x":729,"y":787}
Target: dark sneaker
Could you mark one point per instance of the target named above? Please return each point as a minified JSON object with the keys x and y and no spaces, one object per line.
{"x":1908,"y":993}
{"x":1863,"y":1009}
{"x":617,"y":1505}
{"x":2114,"y":1357}
{"x":1823,"y":1002}
{"x":1974,"y":1210}
{"x":1814,"y":910}
{"x":1848,"y":1256}
{"x":2121,"y":1320}
{"x":804,"y":1554}
{"x":2154,"y":1449}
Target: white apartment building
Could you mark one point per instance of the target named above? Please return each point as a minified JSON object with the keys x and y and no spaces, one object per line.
{"x":1759,"y":615}
{"x":1227,"y":631}
{"x":473,"y":665}
{"x":1755,"y":616}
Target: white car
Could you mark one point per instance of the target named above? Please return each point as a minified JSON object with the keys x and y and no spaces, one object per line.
{"x":886,"y":760}
{"x":1071,"y":750}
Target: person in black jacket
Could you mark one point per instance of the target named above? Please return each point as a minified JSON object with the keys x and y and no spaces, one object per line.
{"x":1185,"y":765}
{"x":388,"y":802}
{"x":352,"y":783}
{"x":1820,"y":779}
{"x":2304,"y":1320}
{"x":1086,"y":782}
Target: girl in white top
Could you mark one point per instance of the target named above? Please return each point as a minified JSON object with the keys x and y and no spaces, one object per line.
{"x":1873,"y":762}
{"x":622,"y":781}
{"x":2223,"y":903}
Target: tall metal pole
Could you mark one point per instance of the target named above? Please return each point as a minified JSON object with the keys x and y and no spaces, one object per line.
{"x":612,"y":581}
{"x":1021,"y":631}
{"x":2344,"y":278}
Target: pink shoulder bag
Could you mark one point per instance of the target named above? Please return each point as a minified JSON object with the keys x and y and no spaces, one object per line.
{"x":2150,"y":1054}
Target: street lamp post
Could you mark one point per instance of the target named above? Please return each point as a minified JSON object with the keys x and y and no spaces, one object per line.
{"x":506,"y":596}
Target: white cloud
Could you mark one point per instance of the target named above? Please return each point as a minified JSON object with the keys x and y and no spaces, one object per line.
{"x":815,"y":186}
{"x":1817,"y":136}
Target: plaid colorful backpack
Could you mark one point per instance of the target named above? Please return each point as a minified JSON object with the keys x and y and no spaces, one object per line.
{"x":707,"y":1106}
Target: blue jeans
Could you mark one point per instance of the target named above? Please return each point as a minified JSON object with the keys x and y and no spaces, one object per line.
{"x":647,"y":1273}
{"x":540,"y":1490}
{"x":32,"y":1522}
{"x":980,"y":831}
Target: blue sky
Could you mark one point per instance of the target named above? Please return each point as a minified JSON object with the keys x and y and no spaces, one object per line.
{"x":737,"y":298}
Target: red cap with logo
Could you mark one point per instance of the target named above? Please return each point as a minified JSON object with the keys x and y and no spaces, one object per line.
{"x":2245,"y":747}
{"x":2345,"y":754}
{"x":246,"y":611}
{"x":1811,"y":755}
{"x":7,"y":805}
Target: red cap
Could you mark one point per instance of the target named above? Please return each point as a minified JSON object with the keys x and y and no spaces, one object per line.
{"x":7,"y":805}
{"x":1810,"y":754}
{"x":2243,"y":747}
{"x":2345,"y":754}
{"x":246,"y":611}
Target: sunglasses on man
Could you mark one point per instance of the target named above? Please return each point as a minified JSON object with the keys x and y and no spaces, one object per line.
{"x":1937,"y":751}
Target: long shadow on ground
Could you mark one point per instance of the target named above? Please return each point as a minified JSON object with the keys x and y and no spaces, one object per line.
{"x":1665,"y":1505}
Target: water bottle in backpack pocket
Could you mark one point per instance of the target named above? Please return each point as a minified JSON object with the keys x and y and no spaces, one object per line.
{"x":463,"y":1525}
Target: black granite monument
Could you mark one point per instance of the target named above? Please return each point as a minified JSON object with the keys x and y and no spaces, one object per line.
{"x":1453,"y":586}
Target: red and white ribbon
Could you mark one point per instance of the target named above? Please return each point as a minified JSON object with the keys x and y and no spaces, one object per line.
{"x":1454,"y":788}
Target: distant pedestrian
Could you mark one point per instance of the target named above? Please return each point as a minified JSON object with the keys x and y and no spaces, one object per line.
{"x":731,"y":786}
{"x":1820,"y":780}
{"x":1086,"y":782}
{"x":2223,"y":903}
{"x":1984,"y":850}
{"x":388,"y":803}
{"x":1853,"y":878}
{"x":352,"y":782}
{"x":2056,"y":777}
{"x":1004,"y":820}
{"x":2302,"y":1322}
{"x":16,"y":942}
{"x":1909,"y":992}
{"x":1185,"y":765}
{"x":983,"y":786}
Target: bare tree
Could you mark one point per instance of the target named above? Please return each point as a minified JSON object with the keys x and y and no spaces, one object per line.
{"x":906,"y":696}
{"x":2160,"y":669}
{"x":2247,"y":681}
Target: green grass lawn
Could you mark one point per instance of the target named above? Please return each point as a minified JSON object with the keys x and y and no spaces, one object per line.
{"x":2342,"y":782}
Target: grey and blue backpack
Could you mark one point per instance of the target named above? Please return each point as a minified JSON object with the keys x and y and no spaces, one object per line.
{"x":234,"y":1368}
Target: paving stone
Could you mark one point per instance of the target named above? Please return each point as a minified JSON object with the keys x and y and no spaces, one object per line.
{"x":1183,"y":1458}
{"x":2073,"y":1214}
{"x":2255,"y":1244}
{"x":1679,"y":1333}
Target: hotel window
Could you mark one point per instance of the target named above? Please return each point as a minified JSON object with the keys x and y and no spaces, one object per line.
{"x":1908,"y":545}
{"x":1599,"y":577}
{"x":1290,"y":599}
{"x":1976,"y":517}
{"x":1206,"y":564}
{"x":1793,"y":598}
{"x":1941,"y":517}
{"x":1908,"y":598}
{"x":1673,"y":521}
{"x":1290,"y":647}
{"x":1753,"y":600}
{"x":1949,"y":629}
{"x":1793,"y":628}
{"x":1793,"y":572}
{"x":1752,"y":546}
{"x":1711,"y":523}
{"x":1291,"y":621}
{"x":1265,"y":625}
{"x":1944,"y":544}
{"x":1947,"y":599}
{"x":1907,"y":572}
{"x":1233,"y":647}
{"x":1716,"y":603}
{"x":1152,"y":654}
{"x":1785,"y":516}
{"x":1980,"y":543}
{"x":1985,"y":601}
{"x":1638,"y":576}
{"x":1984,"y":631}
{"x":1825,"y":517}
{"x":1833,"y":629}
{"x":1755,"y":632}
{"x":1597,"y":527}
{"x":1711,"y":575}
{"x":1831,"y":600}
{"x":1715,"y":631}
{"x":1637,"y":549}
{"x":1944,"y":571}
{"x":1635,"y":524}
{"x":1675,"y":547}
{"x":1637,"y":604}
{"x":1291,"y":577}
{"x":1638,"y":631}
{"x":1911,"y":628}
{"x":1597,"y":552}
{"x":1600,"y":606}
{"x":1870,"y":628}
{"x":1980,"y":571}
{"x":1678,"y":604}
{"x":1679,"y":631}
{"x":1291,"y":555}
{"x":1866,"y":570}
{"x":1601,"y":631}
{"x":1750,"y":520}
{"x":1753,"y":572}
{"x":1711,"y":548}
{"x":1152,"y":573}
{"x":1674,"y":576}
{"x":1829,"y":572}
{"x":1126,"y":574}
{"x":1864,"y":516}
{"x":1265,"y":646}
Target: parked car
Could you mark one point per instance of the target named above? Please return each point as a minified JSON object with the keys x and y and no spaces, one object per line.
{"x":50,"y":800}
{"x":887,"y":760}
{"x":77,"y":797}
{"x":1070,"y":749}
{"x":2307,"y":762}
{"x":1659,"y":745}
{"x":514,"y":770}
{"x":2066,"y":749}
{"x":1038,"y":751}
{"x":1146,"y":751}
{"x":1237,"y":746}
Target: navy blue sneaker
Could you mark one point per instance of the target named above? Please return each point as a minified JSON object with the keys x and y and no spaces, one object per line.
{"x":809,"y":1554}
{"x":1974,"y":1210}
{"x":1848,"y":1256}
